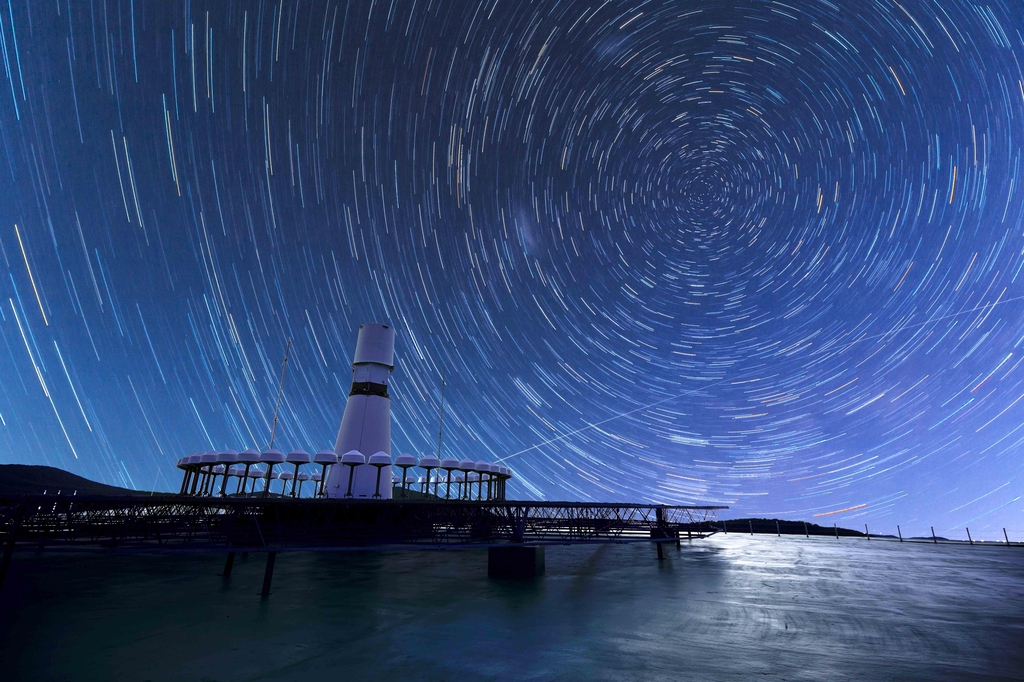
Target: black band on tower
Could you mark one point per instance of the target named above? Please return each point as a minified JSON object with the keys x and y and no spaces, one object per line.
{"x":369,"y":388}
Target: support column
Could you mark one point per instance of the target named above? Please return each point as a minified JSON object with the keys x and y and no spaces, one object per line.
{"x":660,"y":531}
{"x":228,"y":565}
{"x":268,"y":574}
{"x":512,"y":561}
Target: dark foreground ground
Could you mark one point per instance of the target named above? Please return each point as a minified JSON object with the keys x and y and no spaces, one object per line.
{"x":728,"y":608}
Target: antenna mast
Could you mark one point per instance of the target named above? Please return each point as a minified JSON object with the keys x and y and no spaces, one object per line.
{"x":280,"y":389}
{"x":440,"y":421}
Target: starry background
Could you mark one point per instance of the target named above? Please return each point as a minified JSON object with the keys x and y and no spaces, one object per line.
{"x":756,"y":253}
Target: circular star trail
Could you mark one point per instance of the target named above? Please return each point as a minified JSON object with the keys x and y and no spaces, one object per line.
{"x":765,"y":254}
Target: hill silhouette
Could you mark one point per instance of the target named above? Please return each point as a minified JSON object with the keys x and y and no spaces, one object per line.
{"x":29,"y":479}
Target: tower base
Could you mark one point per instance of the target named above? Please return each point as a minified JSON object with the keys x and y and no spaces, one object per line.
{"x":515,"y":562}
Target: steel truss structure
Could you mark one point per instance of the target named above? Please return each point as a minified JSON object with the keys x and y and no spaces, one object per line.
{"x":181,"y":523}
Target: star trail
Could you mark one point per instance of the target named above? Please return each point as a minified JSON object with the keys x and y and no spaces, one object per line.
{"x":763,"y":254}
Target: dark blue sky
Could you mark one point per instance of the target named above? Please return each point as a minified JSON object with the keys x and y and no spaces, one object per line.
{"x":762,"y":254}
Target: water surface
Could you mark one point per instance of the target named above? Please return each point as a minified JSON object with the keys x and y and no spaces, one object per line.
{"x":729,"y":607}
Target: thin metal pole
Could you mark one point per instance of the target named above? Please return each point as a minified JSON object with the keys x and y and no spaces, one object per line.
{"x":351,"y":475}
{"x":969,"y":535}
{"x":934,"y":539}
{"x":280,"y":390}
{"x":1007,"y":537}
{"x":224,"y":481}
{"x":806,"y":534}
{"x":751,"y":524}
{"x":777,"y":531}
{"x":835,"y":527}
{"x":440,"y":419}
{"x":900,"y":532}
{"x":318,"y":491}
{"x":866,"y":531}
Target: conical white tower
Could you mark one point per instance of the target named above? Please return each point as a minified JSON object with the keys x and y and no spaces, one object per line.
{"x":366,"y":424}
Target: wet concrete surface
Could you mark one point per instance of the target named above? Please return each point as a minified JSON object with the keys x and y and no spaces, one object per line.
{"x":725,"y":608}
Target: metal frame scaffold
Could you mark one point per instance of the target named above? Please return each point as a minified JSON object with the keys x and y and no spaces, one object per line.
{"x":177,"y":523}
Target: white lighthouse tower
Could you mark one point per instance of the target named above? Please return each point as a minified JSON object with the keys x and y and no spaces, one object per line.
{"x":366,"y":424}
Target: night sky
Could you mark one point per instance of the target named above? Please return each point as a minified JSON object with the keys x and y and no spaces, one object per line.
{"x":763,"y":254}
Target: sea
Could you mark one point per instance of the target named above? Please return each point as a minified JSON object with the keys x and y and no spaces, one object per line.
{"x":728,"y":607}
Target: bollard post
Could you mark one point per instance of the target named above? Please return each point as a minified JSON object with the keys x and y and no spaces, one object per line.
{"x":969,"y":535}
{"x":867,"y":532}
{"x":934,"y":539}
{"x":268,"y":574}
{"x":1007,"y":537}
{"x":900,"y":532}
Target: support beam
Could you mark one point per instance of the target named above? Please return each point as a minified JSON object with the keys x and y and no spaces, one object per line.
{"x":513,"y":561}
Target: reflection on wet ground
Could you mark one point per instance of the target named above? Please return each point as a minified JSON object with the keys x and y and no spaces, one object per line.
{"x":730,"y":607}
